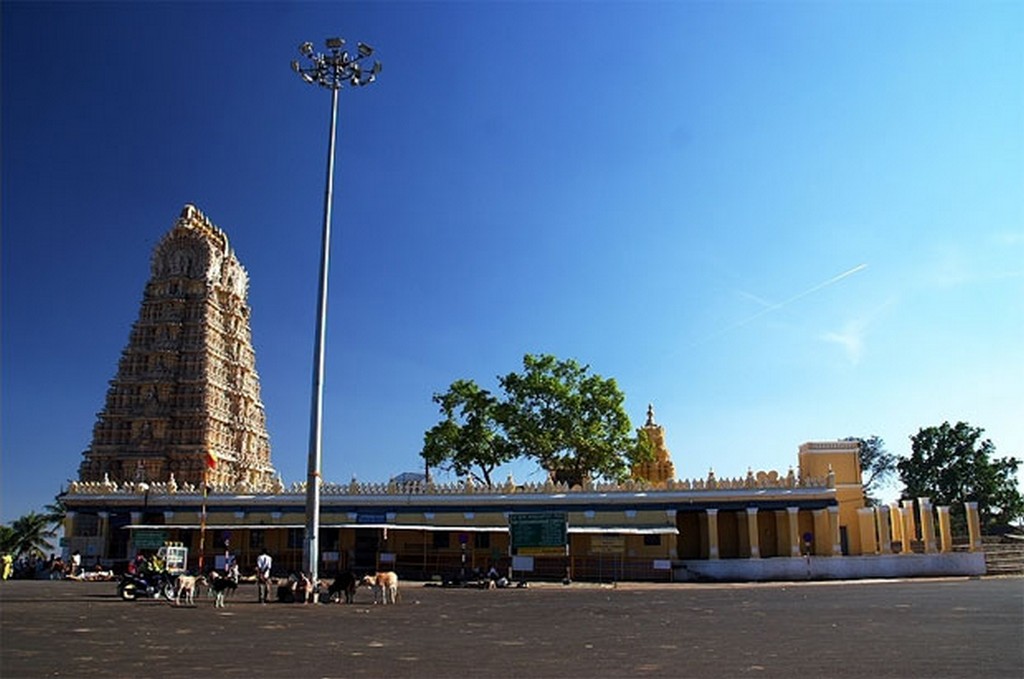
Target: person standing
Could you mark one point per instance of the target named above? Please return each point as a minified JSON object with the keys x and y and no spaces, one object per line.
{"x":263,"y":565}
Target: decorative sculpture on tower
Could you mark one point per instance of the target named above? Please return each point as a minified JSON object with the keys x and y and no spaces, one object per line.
{"x":186,"y":392}
{"x":660,"y":470}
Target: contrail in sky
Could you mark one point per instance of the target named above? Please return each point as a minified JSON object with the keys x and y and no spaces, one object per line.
{"x":775,"y":307}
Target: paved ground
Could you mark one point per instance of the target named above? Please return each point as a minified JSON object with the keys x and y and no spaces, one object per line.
{"x":923,"y":628}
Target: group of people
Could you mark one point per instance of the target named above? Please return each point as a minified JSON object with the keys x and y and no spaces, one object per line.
{"x":34,"y":566}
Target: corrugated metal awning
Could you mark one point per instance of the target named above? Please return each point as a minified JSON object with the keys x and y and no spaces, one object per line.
{"x":624,"y":530}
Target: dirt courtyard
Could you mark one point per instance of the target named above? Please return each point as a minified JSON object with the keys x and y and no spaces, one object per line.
{"x":966,"y":627}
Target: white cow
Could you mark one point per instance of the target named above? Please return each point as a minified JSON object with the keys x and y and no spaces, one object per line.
{"x":385,"y":587}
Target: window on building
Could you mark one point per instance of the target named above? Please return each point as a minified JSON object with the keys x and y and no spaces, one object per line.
{"x":257,"y":539}
{"x":652,"y":540}
{"x":482,"y":540}
{"x":441,"y":540}
{"x":296,"y":537}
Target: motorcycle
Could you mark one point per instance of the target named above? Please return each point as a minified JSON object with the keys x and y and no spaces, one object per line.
{"x":154,"y":585}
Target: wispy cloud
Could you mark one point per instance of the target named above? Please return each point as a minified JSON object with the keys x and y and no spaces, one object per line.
{"x":850,"y":338}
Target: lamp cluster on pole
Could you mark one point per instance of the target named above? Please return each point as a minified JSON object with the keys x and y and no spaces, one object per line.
{"x":332,"y":70}
{"x":338,"y":67}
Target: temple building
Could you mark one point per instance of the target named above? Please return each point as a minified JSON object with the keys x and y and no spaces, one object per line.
{"x":185,"y":402}
{"x":180,"y":452}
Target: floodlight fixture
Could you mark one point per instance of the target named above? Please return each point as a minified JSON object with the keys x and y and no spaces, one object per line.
{"x":336,"y":68}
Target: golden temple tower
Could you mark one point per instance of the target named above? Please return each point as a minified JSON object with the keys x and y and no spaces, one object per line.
{"x":186,"y":397}
{"x":660,"y":470}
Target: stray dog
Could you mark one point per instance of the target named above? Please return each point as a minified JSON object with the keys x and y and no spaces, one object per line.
{"x":185,"y":584}
{"x":344,"y":584}
{"x":385,"y":587}
{"x":220,"y":586}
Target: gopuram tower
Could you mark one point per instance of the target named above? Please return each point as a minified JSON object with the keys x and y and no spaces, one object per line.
{"x":660,"y":470}
{"x":186,"y":397}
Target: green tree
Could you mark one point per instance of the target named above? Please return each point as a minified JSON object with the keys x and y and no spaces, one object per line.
{"x":56,"y":511}
{"x":570,"y":420}
{"x":32,"y":534}
{"x":8,"y":540}
{"x":877,"y":465}
{"x":952,"y":465}
{"x":469,"y":440}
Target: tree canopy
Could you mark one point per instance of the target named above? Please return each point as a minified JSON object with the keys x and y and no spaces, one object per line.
{"x":569,"y":420}
{"x":951,"y":464}
{"x":28,"y":535}
{"x":877,"y":465}
{"x":469,"y":440}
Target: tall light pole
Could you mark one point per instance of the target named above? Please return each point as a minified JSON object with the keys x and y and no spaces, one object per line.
{"x":332,"y":70}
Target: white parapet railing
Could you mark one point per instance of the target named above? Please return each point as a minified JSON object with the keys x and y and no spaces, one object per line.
{"x":752,"y":481}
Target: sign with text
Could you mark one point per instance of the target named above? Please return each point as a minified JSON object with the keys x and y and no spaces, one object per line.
{"x":607,"y":544}
{"x":538,"y":533}
{"x":149,"y":539}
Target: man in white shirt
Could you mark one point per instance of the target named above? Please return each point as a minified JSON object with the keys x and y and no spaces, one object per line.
{"x":263,"y":566}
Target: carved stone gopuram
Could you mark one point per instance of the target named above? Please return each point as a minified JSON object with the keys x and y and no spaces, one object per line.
{"x":186,"y":384}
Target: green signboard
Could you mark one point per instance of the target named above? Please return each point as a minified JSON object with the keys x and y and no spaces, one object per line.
{"x":149,"y":539}
{"x":538,"y":533}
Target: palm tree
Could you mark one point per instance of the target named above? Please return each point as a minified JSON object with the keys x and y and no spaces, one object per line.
{"x":56,"y":512}
{"x":32,"y":533}
{"x":8,"y":540}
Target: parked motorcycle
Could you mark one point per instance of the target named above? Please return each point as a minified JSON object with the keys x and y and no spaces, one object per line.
{"x":134,"y":585}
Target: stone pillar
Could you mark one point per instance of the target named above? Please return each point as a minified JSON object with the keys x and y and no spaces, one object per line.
{"x":752,"y":533}
{"x":945,"y":529}
{"x":104,"y":534}
{"x":821,"y":532}
{"x":909,"y":526}
{"x":884,"y":529}
{"x":896,"y":521}
{"x":673,"y":538}
{"x":833,"y":528}
{"x":927,"y":525}
{"x":69,"y":524}
{"x":712,"y":533}
{"x":794,"y":530}
{"x":973,"y":525}
{"x":866,"y":519}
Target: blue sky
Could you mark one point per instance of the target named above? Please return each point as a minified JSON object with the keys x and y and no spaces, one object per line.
{"x":777,"y":222}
